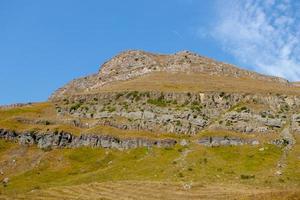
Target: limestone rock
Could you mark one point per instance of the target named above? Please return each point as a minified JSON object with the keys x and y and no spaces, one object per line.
{"x":66,"y":140}
{"x":135,"y":63}
{"x":226,"y":141}
{"x":5,"y":181}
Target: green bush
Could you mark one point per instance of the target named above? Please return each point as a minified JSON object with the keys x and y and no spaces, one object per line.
{"x":243,"y":176}
{"x":111,"y":109}
{"x":75,"y":106}
{"x":157,"y":102}
{"x":119,"y":95}
{"x":134,"y":94}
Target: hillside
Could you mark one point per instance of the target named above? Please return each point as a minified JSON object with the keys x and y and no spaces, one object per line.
{"x":183,"y":71}
{"x":152,"y":126}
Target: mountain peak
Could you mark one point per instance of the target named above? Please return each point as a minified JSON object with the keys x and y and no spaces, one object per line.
{"x":132,"y":64}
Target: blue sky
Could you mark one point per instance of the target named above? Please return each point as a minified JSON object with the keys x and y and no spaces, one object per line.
{"x":45,"y":44}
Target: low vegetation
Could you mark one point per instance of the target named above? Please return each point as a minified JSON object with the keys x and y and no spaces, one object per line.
{"x":69,"y":167}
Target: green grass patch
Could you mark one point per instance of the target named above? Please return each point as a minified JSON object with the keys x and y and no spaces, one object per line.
{"x":158,"y":102}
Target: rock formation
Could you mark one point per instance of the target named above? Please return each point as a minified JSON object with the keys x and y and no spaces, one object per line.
{"x":131,"y":64}
{"x":178,"y":112}
{"x":186,"y":113}
{"x":67,"y":140}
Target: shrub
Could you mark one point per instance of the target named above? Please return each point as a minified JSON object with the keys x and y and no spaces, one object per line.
{"x":157,"y":102}
{"x":125,"y":106}
{"x":134,"y":94}
{"x":241,"y":109}
{"x":178,"y":123}
{"x":263,"y":115}
{"x":204,"y":161}
{"x":281,"y":180}
{"x":243,"y":176}
{"x":111,"y":109}
{"x":228,"y":123}
{"x":194,"y":103}
{"x":196,"y":108}
{"x":75,"y":106}
{"x":118,"y":96}
{"x":85,"y":108}
{"x":147,"y":94}
{"x":66,"y":101}
{"x":137,"y":98}
{"x":180,"y":175}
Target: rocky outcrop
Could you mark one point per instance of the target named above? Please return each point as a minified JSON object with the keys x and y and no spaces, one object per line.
{"x":131,"y":64}
{"x":248,"y":122}
{"x":66,"y":140}
{"x":184,"y":113}
{"x":16,"y":105}
{"x":226,"y":141}
{"x":295,"y":123}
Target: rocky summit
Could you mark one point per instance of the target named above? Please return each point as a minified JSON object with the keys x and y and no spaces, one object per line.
{"x":147,"y":123}
{"x":132,"y":64}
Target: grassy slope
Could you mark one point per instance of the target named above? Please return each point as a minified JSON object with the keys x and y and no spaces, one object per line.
{"x":63,"y":170}
{"x":205,"y":166}
{"x":46,"y":111}
{"x":162,"y":81}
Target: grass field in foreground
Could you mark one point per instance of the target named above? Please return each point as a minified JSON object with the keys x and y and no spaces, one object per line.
{"x":36,"y":172}
{"x":193,"y":172}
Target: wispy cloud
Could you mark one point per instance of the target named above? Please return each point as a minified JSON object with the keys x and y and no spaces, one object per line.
{"x":263,"y":34}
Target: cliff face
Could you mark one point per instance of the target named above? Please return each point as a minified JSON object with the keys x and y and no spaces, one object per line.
{"x":186,"y":113}
{"x":131,"y":64}
{"x":67,"y":140}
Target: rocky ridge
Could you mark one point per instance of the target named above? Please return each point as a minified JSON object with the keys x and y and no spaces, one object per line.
{"x":134,"y":63}
{"x":186,"y":113}
{"x":67,"y":140}
{"x":226,"y":141}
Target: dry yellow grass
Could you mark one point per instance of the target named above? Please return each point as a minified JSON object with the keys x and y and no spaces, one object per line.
{"x":87,"y":173}
{"x":183,"y":82}
{"x":142,"y":190}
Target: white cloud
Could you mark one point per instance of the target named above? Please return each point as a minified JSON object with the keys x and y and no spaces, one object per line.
{"x":261,"y":34}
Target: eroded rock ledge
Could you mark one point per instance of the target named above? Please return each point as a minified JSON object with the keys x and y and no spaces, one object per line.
{"x":185,"y":113}
{"x":226,"y":141}
{"x":66,"y":140}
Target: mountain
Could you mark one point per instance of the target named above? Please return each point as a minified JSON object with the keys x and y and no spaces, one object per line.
{"x":156,"y":126}
{"x":136,"y":66}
